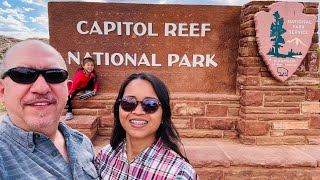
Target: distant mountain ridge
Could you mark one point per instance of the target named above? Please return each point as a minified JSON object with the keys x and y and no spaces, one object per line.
{"x":6,"y":42}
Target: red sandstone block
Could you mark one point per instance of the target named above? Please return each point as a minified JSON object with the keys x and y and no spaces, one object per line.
{"x":315,"y":38}
{"x":188,"y":108}
{"x":305,"y":132}
{"x":248,"y":32}
{"x":260,"y":110}
{"x":277,"y":133}
{"x":293,"y":98}
{"x":270,"y":81}
{"x":106,"y":121}
{"x":295,"y":140}
{"x":311,"y":4}
{"x":83,"y":122}
{"x":252,"y":98}
{"x":250,"y":61}
{"x":184,"y":97}
{"x":253,"y":71}
{"x":251,"y":10}
{"x":249,"y":140}
{"x":248,"y":80}
{"x":248,"y":41}
{"x":291,"y":110}
{"x":312,"y":62}
{"x":315,"y":122}
{"x":314,"y":47}
{"x":310,"y":11}
{"x":302,"y":89}
{"x":209,"y":173}
{"x":268,"y":89}
{"x":232,"y":134}
{"x":182,"y":123}
{"x":265,"y":74}
{"x":213,"y":110}
{"x":288,"y":93}
{"x":90,"y":104}
{"x":248,"y":51}
{"x":233,"y":112}
{"x":281,"y":104}
{"x":259,"y":3}
{"x":106,"y":111}
{"x":272,"y":117}
{"x":248,"y":24}
{"x":85,"y":112}
{"x":265,"y":140}
{"x":253,"y":128}
{"x":310,"y":107}
{"x":273,"y":99}
{"x":197,"y":133}
{"x":104,"y":131}
{"x":248,"y":116}
{"x":290,"y":125}
{"x":313,"y":94}
{"x":313,"y":140}
{"x":247,"y":18}
{"x":216,"y":123}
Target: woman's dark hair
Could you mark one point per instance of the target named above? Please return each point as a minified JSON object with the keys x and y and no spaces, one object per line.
{"x":166,"y":131}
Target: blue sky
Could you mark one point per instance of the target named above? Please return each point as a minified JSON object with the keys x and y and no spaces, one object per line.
{"x":24,"y":19}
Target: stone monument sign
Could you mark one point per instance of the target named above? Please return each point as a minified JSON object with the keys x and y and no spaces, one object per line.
{"x":192,"y":48}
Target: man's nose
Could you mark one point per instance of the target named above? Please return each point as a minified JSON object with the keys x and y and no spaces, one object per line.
{"x":40,"y":86}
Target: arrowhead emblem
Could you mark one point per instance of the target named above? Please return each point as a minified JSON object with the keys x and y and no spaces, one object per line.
{"x":284,"y":35}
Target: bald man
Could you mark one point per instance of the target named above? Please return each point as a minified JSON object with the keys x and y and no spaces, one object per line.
{"x":34,"y":144}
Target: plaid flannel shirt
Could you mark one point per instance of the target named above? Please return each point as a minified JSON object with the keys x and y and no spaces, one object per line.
{"x":155,"y":162}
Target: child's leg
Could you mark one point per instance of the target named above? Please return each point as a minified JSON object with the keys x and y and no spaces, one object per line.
{"x":69,"y":105}
{"x":90,"y":84}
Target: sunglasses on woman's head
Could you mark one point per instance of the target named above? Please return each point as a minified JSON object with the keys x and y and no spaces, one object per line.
{"x":149,"y":105}
{"x":23,"y":75}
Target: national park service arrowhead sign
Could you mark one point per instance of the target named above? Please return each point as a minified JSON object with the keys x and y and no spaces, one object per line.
{"x":284,"y":35}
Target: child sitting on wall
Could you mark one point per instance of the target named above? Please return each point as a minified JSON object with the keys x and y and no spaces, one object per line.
{"x":85,"y":79}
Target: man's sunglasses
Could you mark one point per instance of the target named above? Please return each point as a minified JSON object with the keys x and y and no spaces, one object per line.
{"x":23,"y":75}
{"x":149,"y":105}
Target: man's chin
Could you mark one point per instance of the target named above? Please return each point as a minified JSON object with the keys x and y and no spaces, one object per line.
{"x":40,"y":122}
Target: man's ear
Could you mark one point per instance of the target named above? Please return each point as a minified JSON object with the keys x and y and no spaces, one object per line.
{"x":1,"y":90}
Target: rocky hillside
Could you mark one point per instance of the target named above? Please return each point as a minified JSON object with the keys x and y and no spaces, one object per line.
{"x":6,"y":42}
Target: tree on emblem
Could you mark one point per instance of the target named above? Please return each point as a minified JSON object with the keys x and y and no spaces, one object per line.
{"x":276,"y":31}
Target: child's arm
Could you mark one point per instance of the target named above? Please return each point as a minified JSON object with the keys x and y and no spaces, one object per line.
{"x":76,"y":81}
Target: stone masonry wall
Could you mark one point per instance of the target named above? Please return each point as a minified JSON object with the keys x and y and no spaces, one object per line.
{"x":194,"y":115}
{"x":273,"y":112}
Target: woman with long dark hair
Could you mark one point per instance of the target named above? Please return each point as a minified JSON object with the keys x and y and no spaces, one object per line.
{"x":144,"y":142}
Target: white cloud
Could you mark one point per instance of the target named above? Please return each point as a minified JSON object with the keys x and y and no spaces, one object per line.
{"x":12,"y":24}
{"x":27,"y":9}
{"x":37,"y":2}
{"x":13,"y":12}
{"x":5,"y":3}
{"x":41,"y":20}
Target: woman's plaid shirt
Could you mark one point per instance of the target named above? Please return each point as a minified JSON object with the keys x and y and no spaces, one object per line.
{"x":155,"y":162}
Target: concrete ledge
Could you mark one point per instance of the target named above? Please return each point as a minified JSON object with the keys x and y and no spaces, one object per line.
{"x":230,"y":159}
